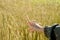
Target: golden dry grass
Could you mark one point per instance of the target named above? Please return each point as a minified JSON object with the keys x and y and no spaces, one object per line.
{"x":13,"y":13}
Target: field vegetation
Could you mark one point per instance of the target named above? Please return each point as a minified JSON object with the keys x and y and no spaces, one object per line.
{"x":13,"y":23}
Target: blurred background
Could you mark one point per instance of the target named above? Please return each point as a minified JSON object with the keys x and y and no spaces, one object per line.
{"x":13,"y":23}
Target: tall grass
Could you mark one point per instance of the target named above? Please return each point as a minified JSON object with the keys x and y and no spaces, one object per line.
{"x":13,"y":25}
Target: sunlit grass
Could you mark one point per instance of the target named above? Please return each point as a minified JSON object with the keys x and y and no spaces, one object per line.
{"x":13,"y":23}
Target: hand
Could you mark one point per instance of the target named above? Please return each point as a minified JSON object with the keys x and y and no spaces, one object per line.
{"x":35,"y":26}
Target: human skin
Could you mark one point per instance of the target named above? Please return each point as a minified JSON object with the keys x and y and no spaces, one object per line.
{"x":35,"y":26}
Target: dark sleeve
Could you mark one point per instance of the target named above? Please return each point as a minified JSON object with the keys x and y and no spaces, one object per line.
{"x":53,"y":35}
{"x":57,"y":32}
{"x":47,"y":31}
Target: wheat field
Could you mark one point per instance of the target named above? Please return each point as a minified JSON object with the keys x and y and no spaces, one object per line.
{"x":13,"y":24}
